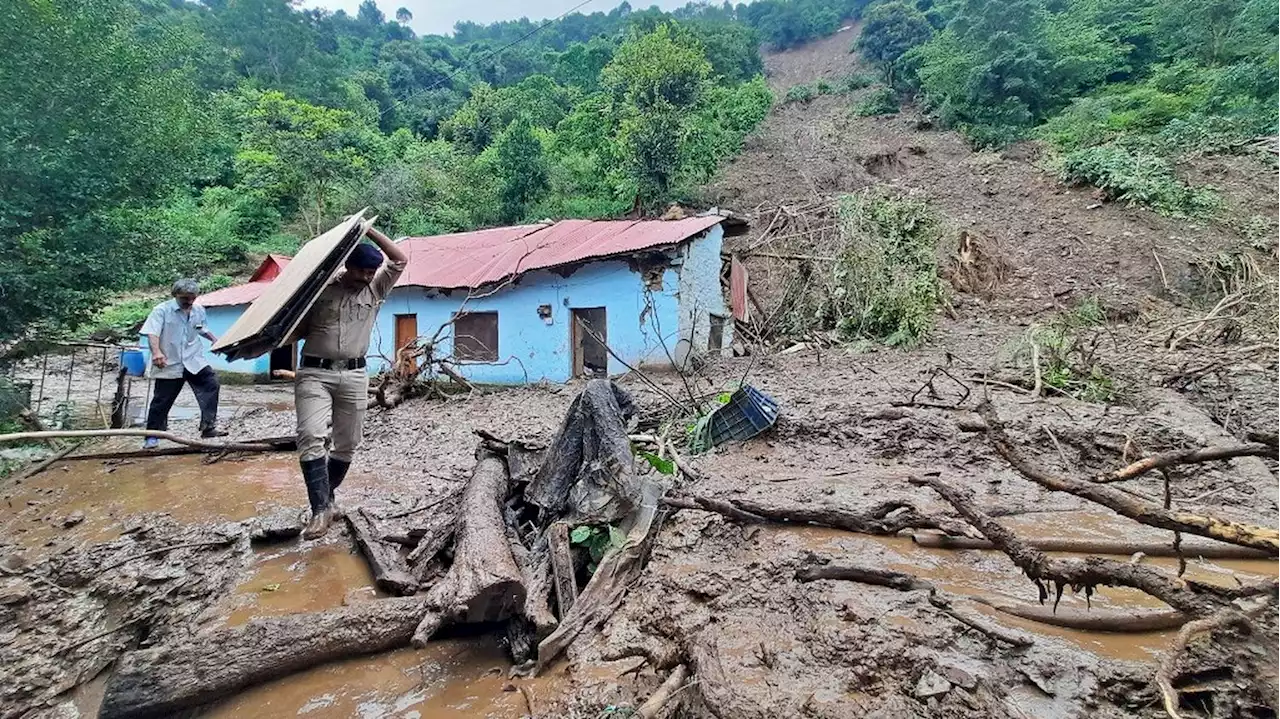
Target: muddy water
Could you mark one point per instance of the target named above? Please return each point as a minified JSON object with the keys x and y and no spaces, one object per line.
{"x":990,"y":574}
{"x":110,"y":495}
{"x":450,"y":679}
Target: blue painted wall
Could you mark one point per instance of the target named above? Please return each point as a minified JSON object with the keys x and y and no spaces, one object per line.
{"x":646,"y":326}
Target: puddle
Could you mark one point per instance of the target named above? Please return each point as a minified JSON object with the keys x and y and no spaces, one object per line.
{"x":111,"y":494}
{"x":450,"y":679}
{"x":300,"y":579}
{"x":990,"y":574}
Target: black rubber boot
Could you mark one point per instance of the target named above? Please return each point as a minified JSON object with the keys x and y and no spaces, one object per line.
{"x":337,"y":472}
{"x":315,"y":473}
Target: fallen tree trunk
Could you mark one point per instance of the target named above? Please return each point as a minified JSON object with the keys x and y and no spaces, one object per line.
{"x":1099,"y":546}
{"x":1245,"y":535}
{"x":161,"y":681}
{"x":1092,"y":620}
{"x":390,"y":572}
{"x":484,"y":583}
{"x":1193,"y":598}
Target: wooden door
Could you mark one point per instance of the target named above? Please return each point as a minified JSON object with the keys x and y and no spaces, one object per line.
{"x":406,"y":338}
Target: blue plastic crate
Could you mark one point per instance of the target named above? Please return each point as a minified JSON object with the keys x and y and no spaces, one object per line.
{"x":748,"y":413}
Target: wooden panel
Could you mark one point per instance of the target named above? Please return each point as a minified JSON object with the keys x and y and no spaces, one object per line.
{"x":738,"y":289}
{"x":475,"y":337}
{"x":294,"y":279}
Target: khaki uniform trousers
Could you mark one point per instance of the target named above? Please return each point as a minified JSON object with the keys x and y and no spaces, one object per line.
{"x":321,"y":394}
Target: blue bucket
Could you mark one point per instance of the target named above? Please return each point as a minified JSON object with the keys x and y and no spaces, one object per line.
{"x":134,"y":362}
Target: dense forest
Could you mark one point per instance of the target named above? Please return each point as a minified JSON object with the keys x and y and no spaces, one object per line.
{"x":142,"y":140}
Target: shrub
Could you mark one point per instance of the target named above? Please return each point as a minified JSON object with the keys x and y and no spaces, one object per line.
{"x":880,"y":101}
{"x":216,"y":282}
{"x":1138,"y":178}
{"x":1065,"y":354}
{"x":800,"y":93}
{"x":857,"y":81}
{"x":886,"y":280}
{"x":825,"y":88}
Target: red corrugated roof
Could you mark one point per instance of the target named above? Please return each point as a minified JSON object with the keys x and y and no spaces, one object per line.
{"x":248,"y":292}
{"x":234,"y":295}
{"x":474,"y":259}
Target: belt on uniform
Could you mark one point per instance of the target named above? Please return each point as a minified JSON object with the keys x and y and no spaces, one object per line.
{"x":339,"y":364}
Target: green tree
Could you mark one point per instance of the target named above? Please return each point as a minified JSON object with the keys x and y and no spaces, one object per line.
{"x":300,"y":153}
{"x":890,"y":30}
{"x":520,"y":168}
{"x":95,"y":116}
{"x":658,"y":80}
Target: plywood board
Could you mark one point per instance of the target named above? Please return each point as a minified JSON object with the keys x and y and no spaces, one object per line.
{"x":282,"y":305}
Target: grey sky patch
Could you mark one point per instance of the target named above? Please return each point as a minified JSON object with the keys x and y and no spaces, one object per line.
{"x":438,"y":16}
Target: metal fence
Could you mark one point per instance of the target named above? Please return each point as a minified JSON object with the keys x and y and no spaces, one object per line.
{"x":74,"y":386}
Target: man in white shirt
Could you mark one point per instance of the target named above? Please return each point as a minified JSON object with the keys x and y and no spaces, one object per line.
{"x":173,"y":331}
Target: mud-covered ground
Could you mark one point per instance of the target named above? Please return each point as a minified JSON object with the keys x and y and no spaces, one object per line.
{"x":720,"y":594}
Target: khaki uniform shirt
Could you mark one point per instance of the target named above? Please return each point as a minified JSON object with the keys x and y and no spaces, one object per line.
{"x":341,"y":320}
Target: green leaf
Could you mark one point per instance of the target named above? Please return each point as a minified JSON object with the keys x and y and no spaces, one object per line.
{"x":617,"y":538}
{"x":580,"y":535}
{"x":724,"y":397}
{"x":665,"y":466}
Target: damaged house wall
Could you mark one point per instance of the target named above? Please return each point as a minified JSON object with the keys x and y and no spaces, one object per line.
{"x":700,"y":296}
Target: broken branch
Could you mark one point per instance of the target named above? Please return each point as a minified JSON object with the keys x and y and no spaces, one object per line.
{"x":1187,"y":456}
{"x":1245,"y":535}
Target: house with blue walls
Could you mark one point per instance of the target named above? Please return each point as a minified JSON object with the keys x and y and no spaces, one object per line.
{"x":552,"y":301}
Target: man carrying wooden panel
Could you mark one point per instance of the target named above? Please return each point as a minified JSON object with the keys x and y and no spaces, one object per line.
{"x":332,"y":384}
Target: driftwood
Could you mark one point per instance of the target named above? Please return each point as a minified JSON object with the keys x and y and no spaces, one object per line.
{"x":885,"y":518}
{"x":608,"y":586}
{"x":161,"y":681}
{"x":588,"y":474}
{"x":1193,"y":598}
{"x":484,"y":583}
{"x":389,"y":571}
{"x":910,"y":583}
{"x":89,"y":433}
{"x":561,"y":558}
{"x":537,"y":568}
{"x":1092,"y":620}
{"x":1245,"y":535}
{"x":1099,"y":546}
